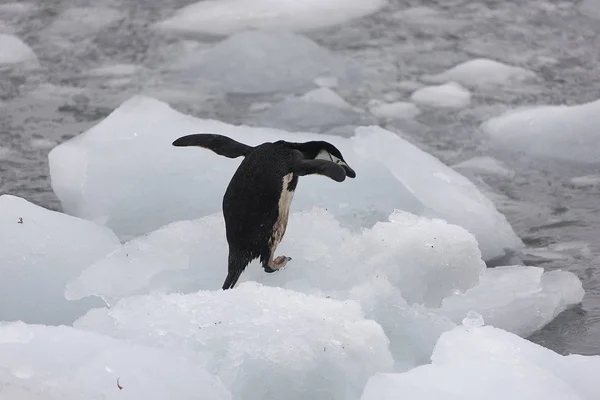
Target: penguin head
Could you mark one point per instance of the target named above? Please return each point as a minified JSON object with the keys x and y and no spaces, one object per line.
{"x":321,"y":150}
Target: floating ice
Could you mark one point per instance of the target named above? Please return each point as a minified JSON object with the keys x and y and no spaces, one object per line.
{"x":400,"y":109}
{"x":41,"y":251}
{"x":585,"y":181}
{"x":590,"y":8}
{"x":14,"y":51}
{"x":41,"y":362}
{"x":262,"y":342}
{"x":259,"y":62}
{"x":117,"y":70}
{"x":328,"y":97}
{"x":485,"y":166}
{"x":16,"y":8}
{"x":478,"y":363}
{"x":448,"y":95}
{"x":429,"y":19}
{"x":94,"y":177}
{"x":561,"y":132}
{"x":224,"y":17}
{"x":483,"y":72}
{"x":518,"y":299}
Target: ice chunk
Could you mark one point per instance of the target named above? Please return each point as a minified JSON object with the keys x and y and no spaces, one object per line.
{"x":116,"y":70}
{"x":516,"y":298}
{"x":15,"y":51}
{"x":16,"y":8}
{"x":224,"y":17}
{"x":41,"y":251}
{"x":483,"y":72}
{"x":490,"y":363}
{"x":259,"y":62}
{"x":307,"y":346}
{"x":400,"y":109}
{"x":42,"y":362}
{"x":560,"y":132}
{"x":585,"y":181}
{"x":590,"y":8}
{"x":94,"y":177}
{"x":448,"y":95}
{"x":328,"y":97}
{"x":485,"y":166}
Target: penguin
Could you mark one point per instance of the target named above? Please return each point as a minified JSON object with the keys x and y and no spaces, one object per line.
{"x":256,"y":203}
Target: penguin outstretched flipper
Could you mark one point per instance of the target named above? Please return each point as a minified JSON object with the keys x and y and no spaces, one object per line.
{"x":320,"y":167}
{"x":222,"y":145}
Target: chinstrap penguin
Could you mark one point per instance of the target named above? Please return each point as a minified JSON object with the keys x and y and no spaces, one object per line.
{"x":257,"y":201}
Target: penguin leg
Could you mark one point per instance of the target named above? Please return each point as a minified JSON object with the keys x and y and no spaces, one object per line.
{"x":270,"y":264}
{"x":236,"y":264}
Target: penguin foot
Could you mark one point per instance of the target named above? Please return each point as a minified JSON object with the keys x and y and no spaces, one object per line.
{"x":281,"y":261}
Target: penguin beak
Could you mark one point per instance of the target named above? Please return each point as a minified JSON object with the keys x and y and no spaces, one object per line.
{"x":349,"y":171}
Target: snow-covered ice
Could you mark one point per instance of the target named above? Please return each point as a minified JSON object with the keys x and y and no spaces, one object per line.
{"x":559,"y":132}
{"x":40,"y":251}
{"x":485,"y":165}
{"x":94,"y":178}
{"x":259,"y":62}
{"x":472,"y":363}
{"x":399,"y":109}
{"x":416,"y":277}
{"x":328,"y":97}
{"x":261,"y":342}
{"x":225,"y":17}
{"x":40,"y":362}
{"x":483,"y":72}
{"x":15,"y":51}
{"x":447,"y":95}
{"x":585,"y":181}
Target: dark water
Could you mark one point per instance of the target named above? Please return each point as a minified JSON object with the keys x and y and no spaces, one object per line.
{"x":42,"y":107}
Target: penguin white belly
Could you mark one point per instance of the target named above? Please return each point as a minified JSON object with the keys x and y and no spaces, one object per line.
{"x":285,"y":200}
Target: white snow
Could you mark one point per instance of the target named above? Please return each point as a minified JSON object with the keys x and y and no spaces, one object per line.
{"x":483,"y":72}
{"x":15,"y":51}
{"x":262,"y":342}
{"x":94,"y":177}
{"x":49,"y":363}
{"x":40,"y":251}
{"x":559,"y":132}
{"x":489,"y":363}
{"x":485,"y":165}
{"x":259,"y":62}
{"x":447,"y":95}
{"x":585,"y":181}
{"x":225,"y":17}
{"x":408,"y":274}
{"x":396,"y":110}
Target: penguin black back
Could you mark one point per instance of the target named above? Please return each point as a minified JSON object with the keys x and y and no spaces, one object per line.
{"x":257,"y":200}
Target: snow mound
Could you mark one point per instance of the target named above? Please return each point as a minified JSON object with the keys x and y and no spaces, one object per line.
{"x":307,"y":346}
{"x":559,"y":132}
{"x":50,"y":363}
{"x":15,"y":51}
{"x":483,"y":72}
{"x":262,"y":62}
{"x":448,"y":95}
{"x":400,"y":109}
{"x":585,"y":181}
{"x":40,"y":251}
{"x":485,"y":166}
{"x":504,"y":366}
{"x":224,"y":17}
{"x":518,"y":299}
{"x":94,"y":177}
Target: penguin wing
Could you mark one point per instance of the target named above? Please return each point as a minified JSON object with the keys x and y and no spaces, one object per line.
{"x":320,"y":167}
{"x":222,"y":145}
